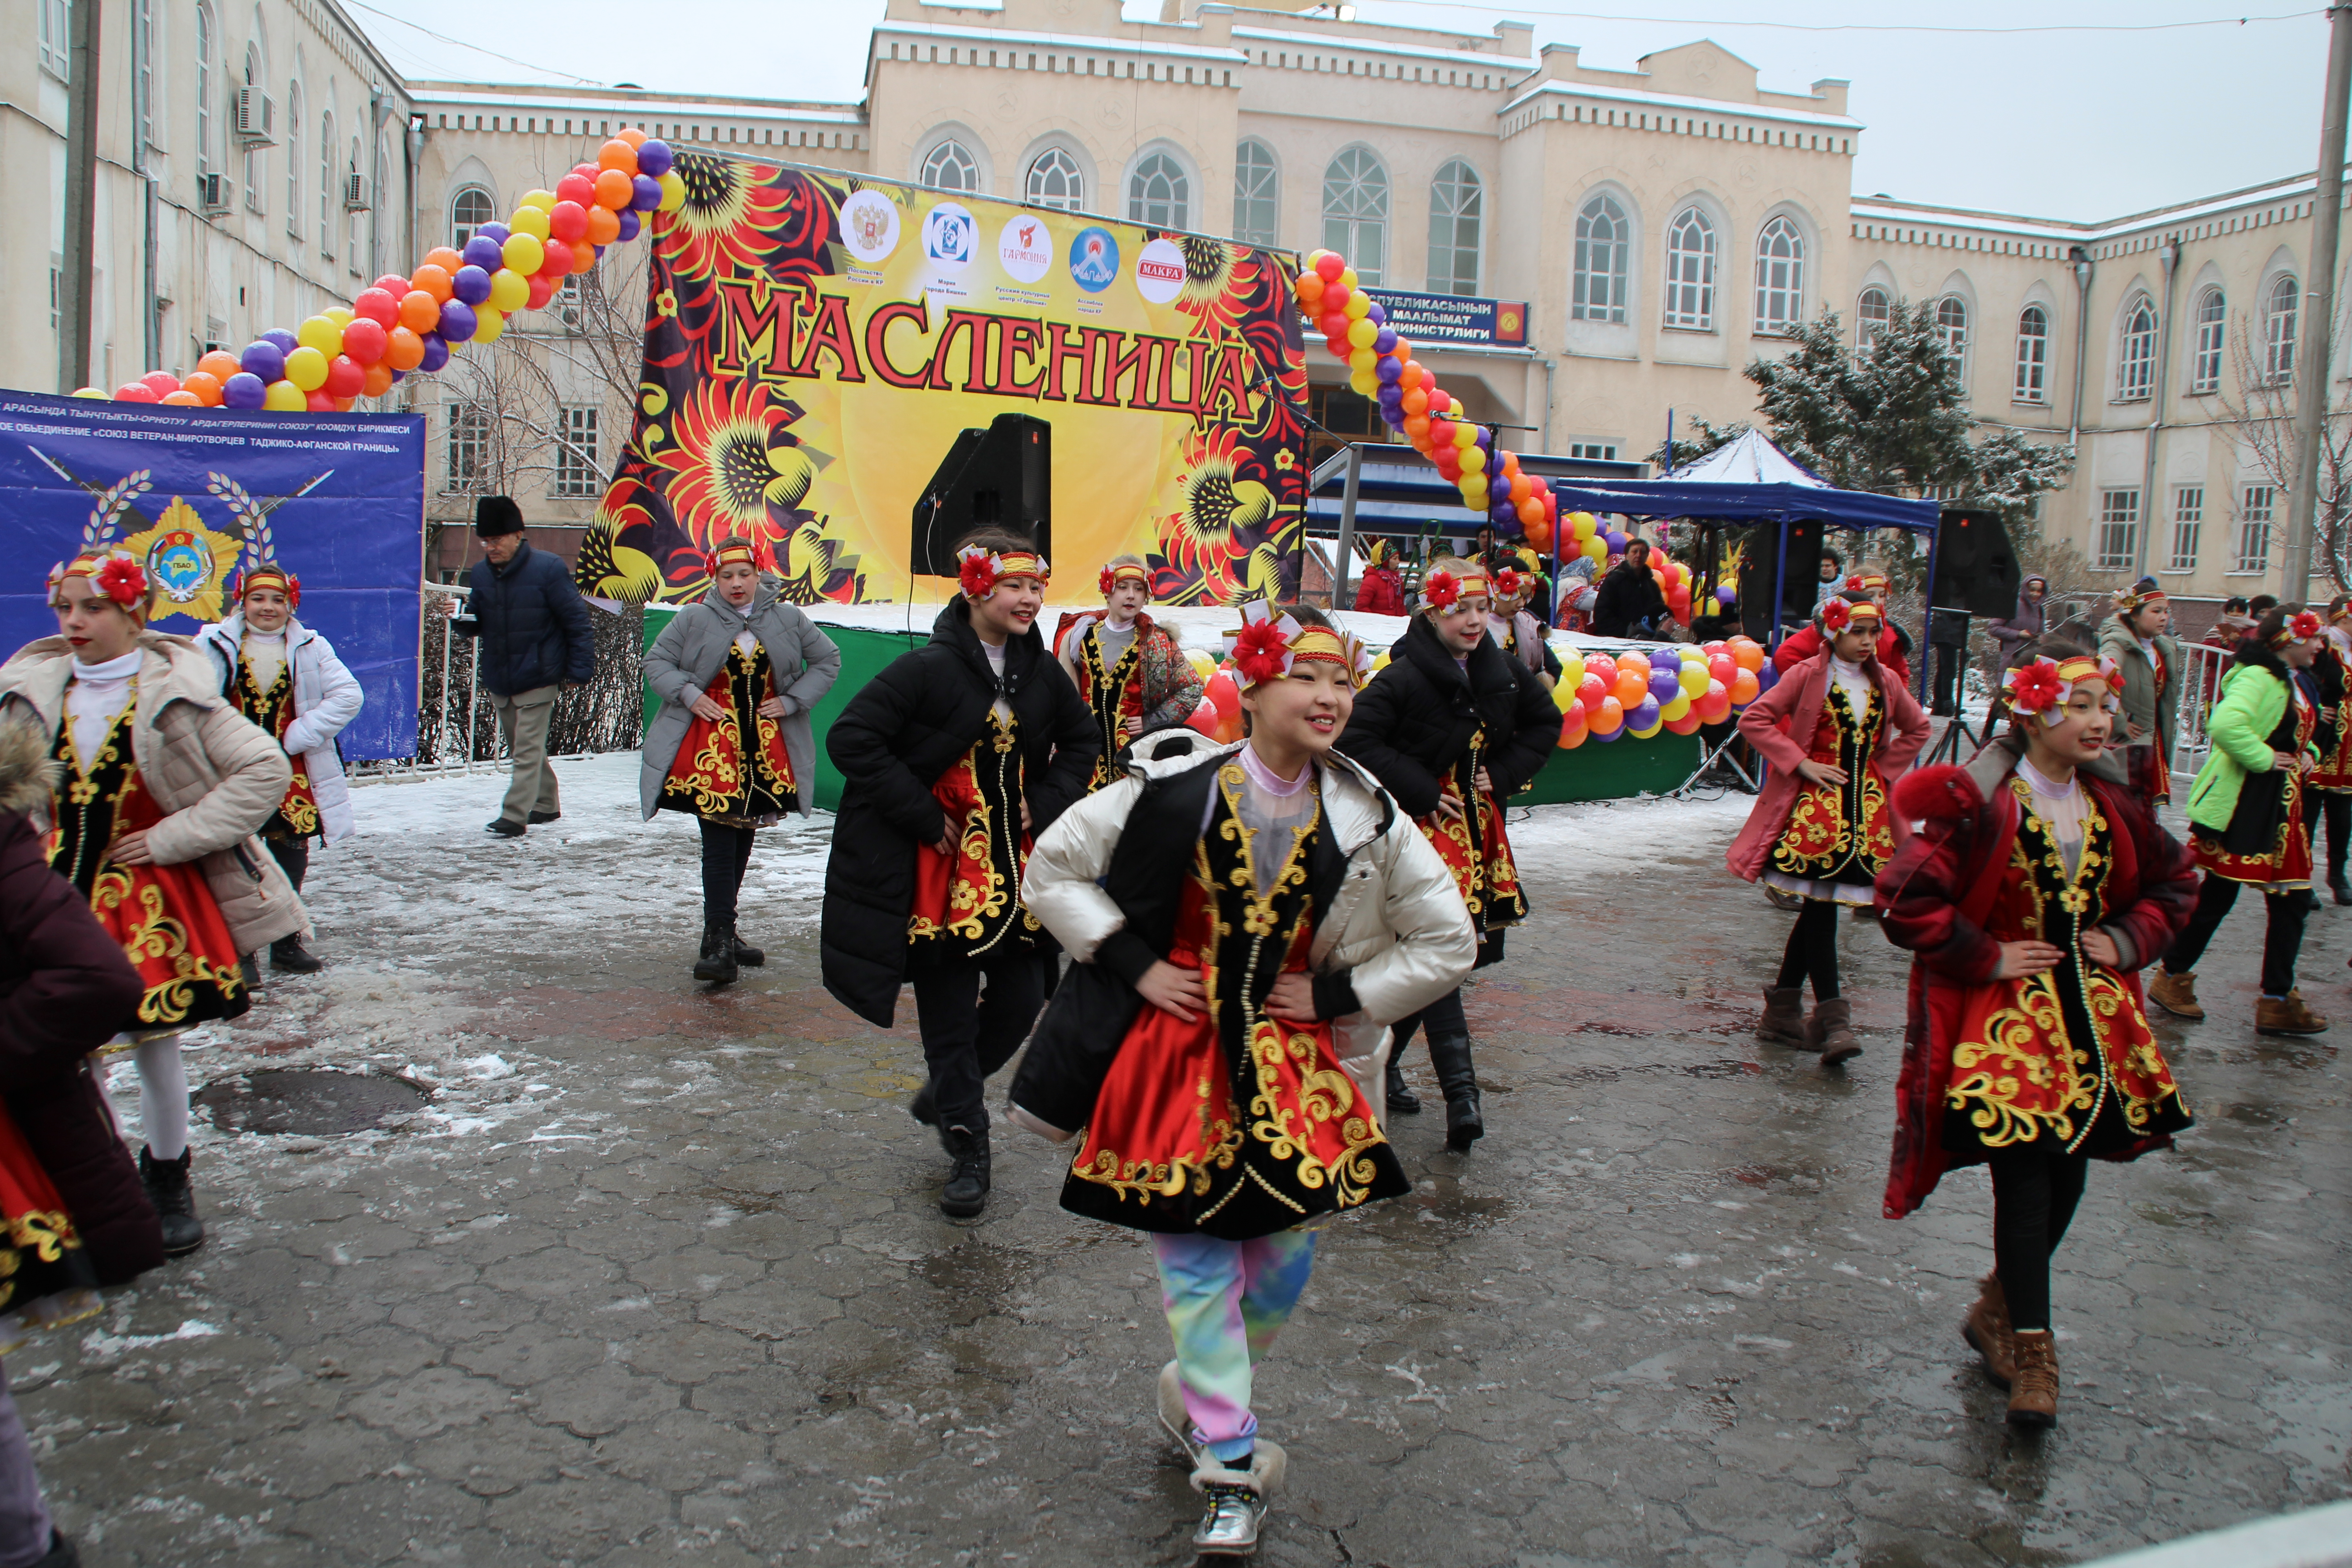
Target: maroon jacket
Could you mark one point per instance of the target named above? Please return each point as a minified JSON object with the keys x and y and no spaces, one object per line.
{"x":1781,"y":725}
{"x":65,"y":990}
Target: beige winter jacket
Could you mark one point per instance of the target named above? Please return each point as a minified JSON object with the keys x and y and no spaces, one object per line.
{"x":1397,"y":922}
{"x":215,"y":774}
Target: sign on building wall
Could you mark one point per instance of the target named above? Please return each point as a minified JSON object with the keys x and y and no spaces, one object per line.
{"x":336,"y":499}
{"x":1444,"y":319}
{"x":814,"y":344}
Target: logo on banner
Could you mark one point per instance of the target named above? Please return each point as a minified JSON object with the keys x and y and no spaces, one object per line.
{"x":1024,"y":250}
{"x":948,"y":234}
{"x":869,"y":225}
{"x":188,"y":562}
{"x":1094,"y":259}
{"x":1160,"y":271}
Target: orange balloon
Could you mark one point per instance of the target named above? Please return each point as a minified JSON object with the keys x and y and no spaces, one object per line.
{"x":603,"y":224}
{"x":206,"y":388}
{"x":183,"y":398}
{"x":615,"y":187}
{"x":1747,"y":655}
{"x":1609,"y":720}
{"x":1632,"y":687}
{"x":433,"y":279}
{"x":1404,"y":351}
{"x":1416,"y":426}
{"x":419,"y":310}
{"x":446,"y":259}
{"x":378,"y":377}
{"x":220,"y":365}
{"x":632,"y":135}
{"x":1531,"y":515}
{"x":618,"y":154}
{"x":403,"y":349}
{"x":1743,"y":687}
{"x":1522,"y":489}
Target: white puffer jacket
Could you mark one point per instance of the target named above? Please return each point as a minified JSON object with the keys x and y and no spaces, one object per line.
{"x":327,"y":698}
{"x":1397,"y":924}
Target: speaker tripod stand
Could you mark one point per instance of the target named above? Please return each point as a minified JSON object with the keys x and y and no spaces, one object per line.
{"x":1947,"y":745}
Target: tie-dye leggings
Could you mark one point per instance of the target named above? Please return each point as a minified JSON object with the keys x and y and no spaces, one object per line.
{"x":1225,"y":1301}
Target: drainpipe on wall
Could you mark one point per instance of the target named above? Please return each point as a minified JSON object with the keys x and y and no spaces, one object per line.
{"x":1548,"y":366}
{"x":2167,"y":258}
{"x":2083,"y":270}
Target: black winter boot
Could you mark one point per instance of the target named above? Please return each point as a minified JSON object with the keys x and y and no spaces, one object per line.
{"x":1402,"y":1101}
{"x":1450,"y":1055}
{"x":2338,"y":885}
{"x":966,"y":1193}
{"x":174,"y":1200}
{"x":747,"y":955}
{"x":718,"y":960}
{"x":62,"y":1553}
{"x":288,"y":954}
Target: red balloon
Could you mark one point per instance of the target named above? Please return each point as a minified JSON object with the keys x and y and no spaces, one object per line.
{"x":393,"y":283}
{"x":319,"y":402}
{"x":344,"y":376}
{"x":1722,"y":668}
{"x":577,"y":188}
{"x":1329,"y":266}
{"x":162,"y":383}
{"x":1334,"y":326}
{"x":558,"y":262}
{"x":542,"y":289}
{"x":364,"y":339}
{"x":134,"y":391}
{"x":569,"y":220}
{"x":1590,"y":692}
{"x":1441,"y":432}
{"x":381,"y":306}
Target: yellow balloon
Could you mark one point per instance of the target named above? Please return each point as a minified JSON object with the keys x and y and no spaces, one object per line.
{"x":1565,"y":692}
{"x":543,"y":200}
{"x":488,"y":324}
{"x":321,"y":334}
{"x":1347,"y":282}
{"x":1473,"y":459}
{"x":1466,"y":435}
{"x":285,"y":396}
{"x":338,"y":314}
{"x":1202,"y":664}
{"x":1691,"y":678}
{"x":1379,"y":661}
{"x":673,"y":192}
{"x":89,"y":392}
{"x":306,"y":367}
{"x":1650,"y":734}
{"x":1365,"y":360}
{"x":529,"y":221}
{"x":1676,"y":709}
{"x":1361,"y":333}
{"x":509,"y":289}
{"x":1363,"y":383}
{"x":525,"y":253}
{"x":1359,"y":306}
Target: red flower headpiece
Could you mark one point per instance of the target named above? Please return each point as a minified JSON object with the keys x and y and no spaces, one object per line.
{"x":117,"y":575}
{"x":270,"y":576}
{"x":1441,"y":589}
{"x":2043,"y":686}
{"x":1268,"y":645}
{"x":1261,"y":651}
{"x":2301,"y":627}
{"x":983,"y":568}
{"x":1111,"y":576}
{"x":1866,"y":583}
{"x":1508,"y":584}
{"x":1836,"y":613}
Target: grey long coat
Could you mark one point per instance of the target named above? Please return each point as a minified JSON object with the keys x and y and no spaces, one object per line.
{"x":685,"y":660}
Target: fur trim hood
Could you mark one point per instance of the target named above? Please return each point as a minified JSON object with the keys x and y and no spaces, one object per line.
{"x":1948,"y":793}
{"x":26,"y":771}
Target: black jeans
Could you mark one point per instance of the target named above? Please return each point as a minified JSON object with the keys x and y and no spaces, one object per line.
{"x":1812,"y":951}
{"x":2033,"y":1196}
{"x":293,"y":857}
{"x":969,"y":1033}
{"x":725,"y":855}
{"x":2337,"y":806}
{"x":2281,"y":940}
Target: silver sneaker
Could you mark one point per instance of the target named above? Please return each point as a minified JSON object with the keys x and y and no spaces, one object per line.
{"x":1231,"y":1521}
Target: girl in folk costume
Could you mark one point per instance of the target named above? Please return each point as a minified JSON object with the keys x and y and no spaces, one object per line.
{"x":285,"y":677}
{"x":1838,"y":729}
{"x":1382,"y":593}
{"x":2246,"y":819}
{"x":2039,"y":887}
{"x":1453,"y":727}
{"x":1894,"y":642}
{"x":737,"y":672}
{"x":2137,"y":641}
{"x":1246,"y":921}
{"x":1129,"y":671}
{"x":163,"y":787}
{"x":2331,"y":780}
{"x":951,"y":759}
{"x":1518,"y":634}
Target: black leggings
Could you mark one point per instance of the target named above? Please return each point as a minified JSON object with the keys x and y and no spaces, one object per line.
{"x":2335,"y":804}
{"x":2033,"y":1197}
{"x":1440,"y":1018}
{"x":293,"y":857}
{"x":2281,"y":940}
{"x":1812,"y":950}
{"x":726,"y":852}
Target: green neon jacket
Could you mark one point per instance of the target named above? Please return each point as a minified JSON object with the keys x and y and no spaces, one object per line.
{"x":2252,"y":703}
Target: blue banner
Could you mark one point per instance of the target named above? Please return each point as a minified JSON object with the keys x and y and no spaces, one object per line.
{"x":336,"y":499}
{"x":1438,"y":320}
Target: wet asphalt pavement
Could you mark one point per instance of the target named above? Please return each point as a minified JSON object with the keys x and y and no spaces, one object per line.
{"x":655,"y":1276}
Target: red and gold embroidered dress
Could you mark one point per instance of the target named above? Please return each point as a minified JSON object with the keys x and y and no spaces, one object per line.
{"x":968,"y":903}
{"x":273,"y":711}
{"x":2332,"y":671}
{"x":716,"y":775}
{"x":1838,"y":835}
{"x":1477,"y":849}
{"x":1115,"y":695}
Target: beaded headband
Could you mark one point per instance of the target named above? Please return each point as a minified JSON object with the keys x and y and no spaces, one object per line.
{"x":2042,"y":687}
{"x":1125,"y":572}
{"x":1268,"y":645}
{"x":1442,"y":590}
{"x":733,"y":555}
{"x":983,"y":568}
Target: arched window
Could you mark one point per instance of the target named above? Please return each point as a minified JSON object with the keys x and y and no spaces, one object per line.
{"x":1257,"y":195}
{"x":327,"y":183}
{"x":207,"y":34}
{"x":950,"y":167}
{"x":1952,"y":326}
{"x":2136,"y":366}
{"x":1455,"y":207}
{"x":2205,"y":362}
{"x":1871,"y":313}
{"x":1355,"y":212}
{"x":2032,"y":381}
{"x":2279,"y":311}
{"x":1160,"y":194}
{"x":1690,"y":272}
{"x":256,"y":162}
{"x":468,"y":211}
{"x":1604,"y":238}
{"x":294,"y":160}
{"x":1780,"y":277}
{"x":1054,"y":181}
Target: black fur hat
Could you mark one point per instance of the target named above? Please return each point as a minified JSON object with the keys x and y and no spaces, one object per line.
{"x":497,"y":515}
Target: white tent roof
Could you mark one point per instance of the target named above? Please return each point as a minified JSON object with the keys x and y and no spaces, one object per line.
{"x":1749,"y":460}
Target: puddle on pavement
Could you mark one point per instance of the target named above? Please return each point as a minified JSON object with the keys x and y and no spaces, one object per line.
{"x":309,"y":1100}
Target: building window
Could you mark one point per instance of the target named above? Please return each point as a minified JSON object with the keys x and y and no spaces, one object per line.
{"x":2033,"y":383}
{"x":1595,"y":451}
{"x":57,"y":37}
{"x":2187,"y":516}
{"x":1871,"y":314}
{"x":1355,"y":212}
{"x":1160,"y":194}
{"x":951,"y":168}
{"x":2119,"y":543}
{"x":1603,"y":239}
{"x":469,"y":211}
{"x":1454,"y":206}
{"x":1690,"y":272}
{"x":1952,"y":327}
{"x":578,"y":470}
{"x":1257,"y":192}
{"x":2254,"y":528}
{"x":1054,"y":181}
{"x":2279,"y":311}
{"x":142,"y":68}
{"x":470,"y":448}
{"x":327,"y":183}
{"x":205,"y":35}
{"x":257,"y":162}
{"x":294,"y":160}
{"x":2136,"y":371}
{"x":353,"y":252}
{"x":2205,"y":364}
{"x":1780,"y":277}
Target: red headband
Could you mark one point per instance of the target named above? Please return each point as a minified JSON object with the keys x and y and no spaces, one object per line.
{"x":269,"y":576}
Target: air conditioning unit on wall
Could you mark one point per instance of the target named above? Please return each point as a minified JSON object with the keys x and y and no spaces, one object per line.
{"x":357,"y":198}
{"x":256,"y":121}
{"x":213,"y":192}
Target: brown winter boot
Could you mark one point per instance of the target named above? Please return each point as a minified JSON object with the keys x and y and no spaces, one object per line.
{"x":1783,"y":1022}
{"x":2176,"y":994}
{"x":2291,"y":1017}
{"x":2033,"y":1390}
{"x":1985,"y":1328}
{"x":1832,"y":1031}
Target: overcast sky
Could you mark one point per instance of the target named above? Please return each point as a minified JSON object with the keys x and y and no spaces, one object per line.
{"x":2069,"y":124}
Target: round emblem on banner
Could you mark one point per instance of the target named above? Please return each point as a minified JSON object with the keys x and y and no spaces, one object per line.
{"x":949,"y":232}
{"x":869,"y":225}
{"x":1094,"y":259}
{"x":1024,"y":250}
{"x":1160,"y":271}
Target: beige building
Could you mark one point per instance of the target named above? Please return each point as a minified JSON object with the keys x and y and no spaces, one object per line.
{"x":1665,"y":226}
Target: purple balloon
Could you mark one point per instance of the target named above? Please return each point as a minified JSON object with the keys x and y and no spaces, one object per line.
{"x":1487,"y":437}
{"x":497,"y":234}
{"x":1394,"y":413}
{"x":287,"y":342}
{"x":1377,"y":315}
{"x":1391,"y":396}
{"x":485,"y":253}
{"x":1768,"y":676}
{"x":1663,"y":685}
{"x":265,"y":360}
{"x":458,"y":323}
{"x":399,"y":376}
{"x":1645,"y":716}
{"x":1616,"y":542}
{"x":437,"y":351}
{"x":1613,"y":737}
{"x":654,"y":158}
{"x":645,"y":190}
{"x":1384,"y":342}
{"x":1501,"y":512}
{"x":630,"y":224}
{"x":1726,"y":594}
{"x":1512,"y":528}
{"x":243,"y":390}
{"x":1387,"y":369}
{"x":472,"y":283}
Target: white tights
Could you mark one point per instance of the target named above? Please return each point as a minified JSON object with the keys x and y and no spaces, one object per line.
{"x":163,"y":1097}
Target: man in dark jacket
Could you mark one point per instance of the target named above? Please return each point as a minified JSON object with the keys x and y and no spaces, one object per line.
{"x":1452,"y":727}
{"x":536,"y":643}
{"x":952,"y":760}
{"x":1630,"y":602}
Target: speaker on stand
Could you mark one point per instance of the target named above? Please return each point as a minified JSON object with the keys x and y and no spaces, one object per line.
{"x":1001,"y":477}
{"x":1976,"y":574}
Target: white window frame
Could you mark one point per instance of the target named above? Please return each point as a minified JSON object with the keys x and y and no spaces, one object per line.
{"x":1779,"y":277}
{"x":1054,"y":180}
{"x":142,"y":69}
{"x":354,"y":251}
{"x":1258,"y":194}
{"x":327,"y":183}
{"x":1952,"y":326}
{"x":2257,"y":510}
{"x":1871,"y":320}
{"x":459,"y":230}
{"x":1690,"y":272}
{"x":465,"y":446}
{"x":1457,"y":204}
{"x":1170,"y":206}
{"x":2117,"y":549}
{"x":257,"y":156}
{"x":2187,"y":522}
{"x":2281,"y":308}
{"x":2136,"y":356}
{"x":55,"y":29}
{"x":2212,"y":324}
{"x":294,"y":161}
{"x":1601,"y":267}
{"x":1593,"y":450}
{"x":2031,"y":382}
{"x":1356,"y":211}
{"x":207,"y":41}
{"x":579,"y":455}
{"x":949,"y":166}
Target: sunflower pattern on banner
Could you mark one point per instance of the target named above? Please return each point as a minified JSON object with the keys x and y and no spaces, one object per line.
{"x":815,"y":341}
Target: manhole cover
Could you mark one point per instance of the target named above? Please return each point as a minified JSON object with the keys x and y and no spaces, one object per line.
{"x":299,"y":1100}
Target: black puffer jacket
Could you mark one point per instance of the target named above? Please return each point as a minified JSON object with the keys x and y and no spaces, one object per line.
{"x":1628,"y":597}
{"x":910,"y":725}
{"x":532,"y":622}
{"x":1418,"y":715}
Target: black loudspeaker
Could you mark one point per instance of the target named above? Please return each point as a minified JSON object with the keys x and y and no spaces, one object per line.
{"x":1002,"y":477}
{"x":1798,"y":589}
{"x":1975,"y":569}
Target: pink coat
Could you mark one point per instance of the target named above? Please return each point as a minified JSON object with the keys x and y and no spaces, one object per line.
{"x":1793,"y":708}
